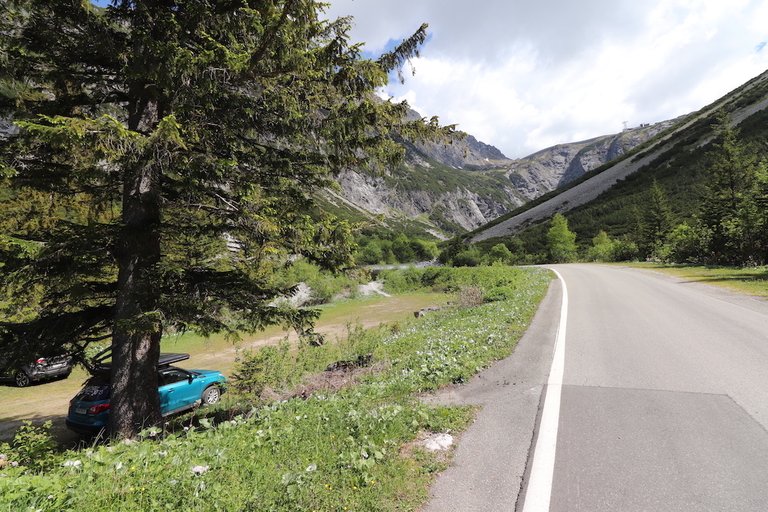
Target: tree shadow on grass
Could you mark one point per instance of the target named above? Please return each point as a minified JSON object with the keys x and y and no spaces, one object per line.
{"x":65,"y":438}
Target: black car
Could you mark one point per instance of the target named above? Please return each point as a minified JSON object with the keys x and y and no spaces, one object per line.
{"x":43,"y":368}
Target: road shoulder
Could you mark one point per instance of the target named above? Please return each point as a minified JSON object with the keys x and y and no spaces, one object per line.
{"x":491,"y":457}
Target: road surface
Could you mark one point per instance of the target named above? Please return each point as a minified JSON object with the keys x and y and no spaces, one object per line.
{"x":661,"y":405}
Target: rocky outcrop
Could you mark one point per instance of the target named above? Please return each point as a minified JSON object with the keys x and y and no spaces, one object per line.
{"x":466,"y":153}
{"x":560,"y":165}
{"x":446,"y":209}
{"x":462,"y":184}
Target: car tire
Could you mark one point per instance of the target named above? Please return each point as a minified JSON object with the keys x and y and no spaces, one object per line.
{"x":211,"y":395}
{"x":22,"y":379}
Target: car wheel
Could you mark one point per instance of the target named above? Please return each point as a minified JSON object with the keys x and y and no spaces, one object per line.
{"x":22,"y":379}
{"x":211,"y":395}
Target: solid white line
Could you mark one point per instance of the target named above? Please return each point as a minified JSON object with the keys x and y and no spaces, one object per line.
{"x":539,"y":491}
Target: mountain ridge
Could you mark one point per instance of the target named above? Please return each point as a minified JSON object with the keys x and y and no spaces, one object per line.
{"x":458,"y":186}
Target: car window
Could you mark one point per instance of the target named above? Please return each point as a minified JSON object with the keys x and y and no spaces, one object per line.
{"x":95,"y":389}
{"x":171,"y":375}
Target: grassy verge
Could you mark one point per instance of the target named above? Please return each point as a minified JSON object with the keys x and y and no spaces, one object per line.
{"x":751,"y":280}
{"x":351,"y":449}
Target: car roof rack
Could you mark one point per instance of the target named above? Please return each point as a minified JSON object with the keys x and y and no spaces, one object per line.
{"x":101,"y":364}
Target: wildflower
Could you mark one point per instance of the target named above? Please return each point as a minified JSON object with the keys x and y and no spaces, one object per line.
{"x":200,"y":470}
{"x":311,"y":467}
{"x":72,"y":464}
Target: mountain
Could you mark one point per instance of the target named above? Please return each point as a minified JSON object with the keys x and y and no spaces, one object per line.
{"x":448,"y":188}
{"x":562,"y":164}
{"x":675,"y":158}
{"x":451,"y":188}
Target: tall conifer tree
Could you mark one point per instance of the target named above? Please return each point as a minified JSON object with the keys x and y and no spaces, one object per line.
{"x":165,"y":165}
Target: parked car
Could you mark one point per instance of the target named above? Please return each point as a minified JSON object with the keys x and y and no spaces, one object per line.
{"x":42,"y":368}
{"x":179,"y":390}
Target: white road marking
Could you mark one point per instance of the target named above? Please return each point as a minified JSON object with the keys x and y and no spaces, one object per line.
{"x":539,"y":491}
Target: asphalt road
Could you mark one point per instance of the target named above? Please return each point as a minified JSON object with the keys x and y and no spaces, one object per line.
{"x":663,"y":404}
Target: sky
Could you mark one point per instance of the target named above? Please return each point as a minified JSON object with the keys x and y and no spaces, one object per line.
{"x":524,"y":75}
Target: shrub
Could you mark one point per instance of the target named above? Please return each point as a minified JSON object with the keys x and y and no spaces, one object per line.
{"x":625,"y":250}
{"x":602,"y":248}
{"x":33,"y":447}
{"x":468,"y":258}
{"x":499,"y":253}
{"x":500,"y":293}
{"x":684,"y":245}
{"x":256,"y":370}
{"x":470,"y":296}
{"x":399,"y":281}
{"x":324,"y":284}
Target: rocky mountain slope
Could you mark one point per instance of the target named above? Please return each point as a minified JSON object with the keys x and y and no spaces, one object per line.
{"x":459,"y":186}
{"x":562,"y":164}
{"x":450,"y":188}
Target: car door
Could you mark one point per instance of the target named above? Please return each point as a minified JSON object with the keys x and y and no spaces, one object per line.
{"x":175,"y":390}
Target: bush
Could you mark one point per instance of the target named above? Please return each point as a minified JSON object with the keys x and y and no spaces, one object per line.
{"x":256,"y":370}
{"x":499,"y":293}
{"x":625,"y":250}
{"x":400,"y":249}
{"x":33,"y":447}
{"x":400,"y":281}
{"x":470,"y":296}
{"x":324,"y":285}
{"x":499,"y":253}
{"x":684,"y":244}
{"x":468,"y":258}
{"x":602,"y":248}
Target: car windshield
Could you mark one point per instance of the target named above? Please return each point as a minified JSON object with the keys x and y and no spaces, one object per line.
{"x":96,"y":388}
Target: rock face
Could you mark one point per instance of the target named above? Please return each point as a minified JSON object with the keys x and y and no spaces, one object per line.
{"x":559,"y":165}
{"x":449,"y":186}
{"x":464,"y":184}
{"x":468,"y":153}
{"x":447,"y":208}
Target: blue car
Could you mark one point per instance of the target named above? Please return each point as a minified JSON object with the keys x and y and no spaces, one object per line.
{"x":179,"y":390}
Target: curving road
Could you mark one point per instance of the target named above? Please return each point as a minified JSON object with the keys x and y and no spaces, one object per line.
{"x":663,"y":404}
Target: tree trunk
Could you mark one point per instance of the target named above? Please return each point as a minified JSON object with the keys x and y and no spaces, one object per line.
{"x":134,"y":403}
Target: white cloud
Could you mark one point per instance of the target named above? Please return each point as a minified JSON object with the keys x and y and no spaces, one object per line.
{"x":526,"y":75}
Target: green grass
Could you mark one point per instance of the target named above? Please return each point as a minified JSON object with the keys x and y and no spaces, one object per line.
{"x":349,"y":450}
{"x":751,"y":280}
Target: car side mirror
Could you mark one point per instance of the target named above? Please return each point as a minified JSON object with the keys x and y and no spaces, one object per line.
{"x":191,"y":378}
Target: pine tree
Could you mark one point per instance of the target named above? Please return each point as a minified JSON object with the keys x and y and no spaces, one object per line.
{"x":171,"y":151}
{"x":656,"y":221}
{"x":730,"y":210}
{"x":561,"y":241}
